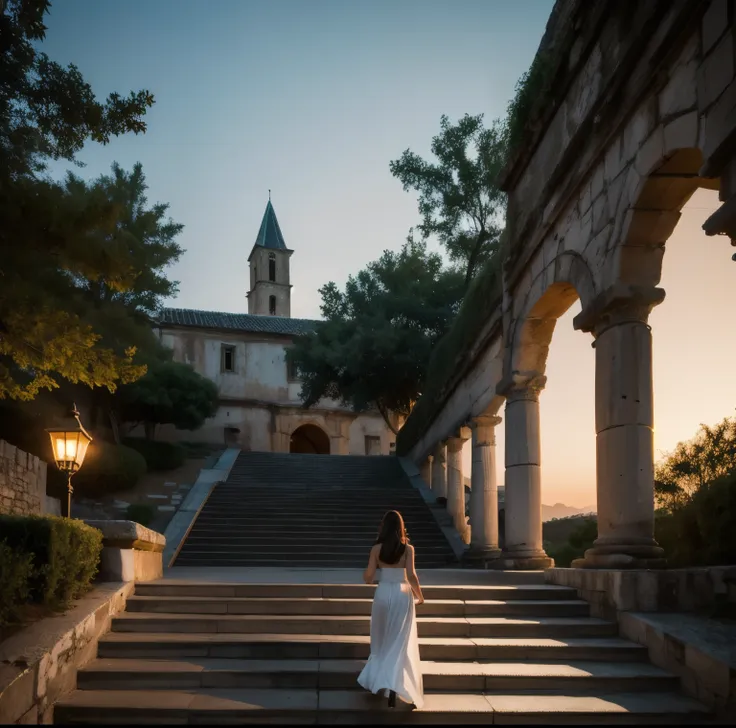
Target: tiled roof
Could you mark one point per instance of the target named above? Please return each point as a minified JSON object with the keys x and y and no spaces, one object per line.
{"x":269,"y":235}
{"x":236,"y":321}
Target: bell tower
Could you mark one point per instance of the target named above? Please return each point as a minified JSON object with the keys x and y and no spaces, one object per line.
{"x":270,"y":286}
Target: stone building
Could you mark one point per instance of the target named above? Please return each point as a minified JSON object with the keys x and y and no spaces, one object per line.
{"x":245,"y":355}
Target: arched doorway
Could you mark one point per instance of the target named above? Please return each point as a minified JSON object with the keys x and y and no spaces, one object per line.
{"x":310,"y":439}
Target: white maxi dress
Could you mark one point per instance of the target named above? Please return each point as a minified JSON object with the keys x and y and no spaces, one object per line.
{"x":394,"y":660}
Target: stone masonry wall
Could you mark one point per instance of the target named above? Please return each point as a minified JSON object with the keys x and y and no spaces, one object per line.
{"x":22,"y":482}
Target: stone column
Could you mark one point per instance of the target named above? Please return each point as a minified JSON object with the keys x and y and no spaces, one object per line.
{"x":624,"y":422}
{"x":426,"y":470}
{"x":484,"y":491}
{"x":439,"y":473}
{"x":455,"y":482}
{"x":523,"y":510}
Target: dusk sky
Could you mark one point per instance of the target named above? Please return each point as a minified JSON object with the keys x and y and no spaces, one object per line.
{"x":312,"y":99}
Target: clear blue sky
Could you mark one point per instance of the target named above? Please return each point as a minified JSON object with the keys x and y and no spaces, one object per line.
{"x":311,"y":98}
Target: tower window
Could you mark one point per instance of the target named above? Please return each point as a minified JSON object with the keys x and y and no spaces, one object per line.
{"x":227,"y":358}
{"x":272,"y":267}
{"x":292,"y":371}
{"x":272,"y":305}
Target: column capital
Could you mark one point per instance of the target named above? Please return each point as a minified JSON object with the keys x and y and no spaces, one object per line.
{"x":521,"y":386}
{"x":620,"y":303}
{"x":484,"y":421}
{"x":455,"y":442}
{"x":484,"y":429}
{"x":439,"y":452}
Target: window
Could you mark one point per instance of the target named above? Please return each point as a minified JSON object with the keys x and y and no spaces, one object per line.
{"x":227,"y":358}
{"x":292,"y":371}
{"x":372,"y":445}
{"x":272,"y":305}
{"x":272,"y":267}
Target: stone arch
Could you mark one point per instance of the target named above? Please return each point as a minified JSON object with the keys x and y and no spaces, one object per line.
{"x":310,"y":439}
{"x":651,"y":219}
{"x":570,"y":279}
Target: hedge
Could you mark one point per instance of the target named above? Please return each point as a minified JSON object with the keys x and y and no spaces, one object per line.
{"x":158,"y":455}
{"x":107,"y":468}
{"x":142,"y":513}
{"x":45,"y":559}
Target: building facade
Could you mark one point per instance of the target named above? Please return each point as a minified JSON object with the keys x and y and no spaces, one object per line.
{"x":245,"y":355}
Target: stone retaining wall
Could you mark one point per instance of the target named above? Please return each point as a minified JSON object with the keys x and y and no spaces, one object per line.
{"x":22,"y":482}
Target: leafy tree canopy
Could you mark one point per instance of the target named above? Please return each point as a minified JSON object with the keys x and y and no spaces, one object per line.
{"x":695,"y":464}
{"x":48,"y":236}
{"x":459,"y":199}
{"x":169,"y":393}
{"x":373,"y":347}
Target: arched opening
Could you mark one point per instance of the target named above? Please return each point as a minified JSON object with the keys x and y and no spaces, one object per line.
{"x":272,"y":267}
{"x":309,"y":439}
{"x":272,"y":305}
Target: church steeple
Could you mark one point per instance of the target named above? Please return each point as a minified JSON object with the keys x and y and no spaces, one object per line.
{"x":270,"y":287}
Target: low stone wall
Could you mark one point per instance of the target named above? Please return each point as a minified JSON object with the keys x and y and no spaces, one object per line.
{"x":130,"y":552}
{"x":611,"y":591}
{"x":22,"y":482}
{"x":39,"y":664}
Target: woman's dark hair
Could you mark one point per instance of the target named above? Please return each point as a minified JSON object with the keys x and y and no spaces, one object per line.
{"x":392,"y":537}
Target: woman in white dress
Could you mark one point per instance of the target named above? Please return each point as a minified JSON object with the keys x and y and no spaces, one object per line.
{"x":393,"y":665}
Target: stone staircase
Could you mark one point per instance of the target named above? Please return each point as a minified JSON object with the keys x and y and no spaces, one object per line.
{"x":207,"y":653}
{"x":309,"y":511}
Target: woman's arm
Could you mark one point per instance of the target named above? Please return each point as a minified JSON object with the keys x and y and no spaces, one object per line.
{"x":411,"y":574}
{"x":370,"y":573}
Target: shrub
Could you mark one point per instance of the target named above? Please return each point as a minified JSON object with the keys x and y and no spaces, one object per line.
{"x":579,"y":541}
{"x":108,"y":468}
{"x":15,"y":574}
{"x":158,"y":455}
{"x":64,"y":554}
{"x":142,"y":513}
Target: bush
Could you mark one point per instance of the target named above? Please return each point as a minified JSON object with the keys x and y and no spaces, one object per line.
{"x":702,"y":531}
{"x":579,"y":541}
{"x":142,"y":513}
{"x":107,"y":468}
{"x":64,"y":555}
{"x":15,"y":574}
{"x":158,"y":455}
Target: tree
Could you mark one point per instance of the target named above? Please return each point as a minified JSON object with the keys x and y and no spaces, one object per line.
{"x":695,"y":464}
{"x":169,"y":393}
{"x":373,"y":347}
{"x":459,"y":199}
{"x":46,"y":234}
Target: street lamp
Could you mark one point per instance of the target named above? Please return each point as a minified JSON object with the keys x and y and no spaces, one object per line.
{"x":69,"y":445}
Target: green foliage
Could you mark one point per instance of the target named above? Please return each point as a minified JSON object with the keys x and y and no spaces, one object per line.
{"x":159,"y":456}
{"x":579,"y":541}
{"x":16,"y":569}
{"x":701,"y":531}
{"x":49,"y":237}
{"x":693,"y":465}
{"x":459,"y":199}
{"x":64,"y":554}
{"x":108,"y":468}
{"x":373,"y":348}
{"x":170,"y":393}
{"x":142,"y":513}
{"x":480,"y":303}
{"x":531,"y":89}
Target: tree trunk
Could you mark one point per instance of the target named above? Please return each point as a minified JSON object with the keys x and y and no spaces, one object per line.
{"x":384,"y":414}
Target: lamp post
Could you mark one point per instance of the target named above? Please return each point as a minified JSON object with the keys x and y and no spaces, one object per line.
{"x":70,"y":445}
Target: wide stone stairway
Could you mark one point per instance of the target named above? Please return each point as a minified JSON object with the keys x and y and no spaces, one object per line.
{"x":513,"y":652}
{"x":309,"y":510}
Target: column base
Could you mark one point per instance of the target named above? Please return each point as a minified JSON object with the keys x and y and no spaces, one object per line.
{"x":479,"y":558}
{"x":643,"y":555}
{"x":523,"y":562}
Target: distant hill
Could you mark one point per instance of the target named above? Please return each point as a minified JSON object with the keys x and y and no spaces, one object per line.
{"x":558,"y":510}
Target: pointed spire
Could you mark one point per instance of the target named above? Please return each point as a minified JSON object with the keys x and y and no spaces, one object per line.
{"x":269,"y":235}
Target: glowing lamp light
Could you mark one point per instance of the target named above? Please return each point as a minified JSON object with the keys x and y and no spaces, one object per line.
{"x":69,"y":445}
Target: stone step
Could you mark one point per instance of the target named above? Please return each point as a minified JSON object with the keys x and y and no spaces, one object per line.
{"x":360,"y":625}
{"x":268,"y":646}
{"x":576,"y":677}
{"x":360,"y":607}
{"x":173,"y":588}
{"x":191,"y":557}
{"x":211,"y":705}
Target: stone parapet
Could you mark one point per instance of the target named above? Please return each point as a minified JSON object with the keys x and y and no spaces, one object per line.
{"x":130,"y":552}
